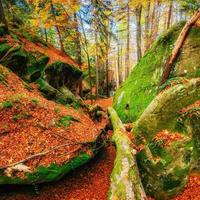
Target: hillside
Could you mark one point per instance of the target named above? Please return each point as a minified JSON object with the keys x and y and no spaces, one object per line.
{"x":38,"y":136}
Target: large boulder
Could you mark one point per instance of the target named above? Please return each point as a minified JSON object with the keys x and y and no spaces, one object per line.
{"x":168,"y":130}
{"x":36,"y":61}
{"x":142,"y":86}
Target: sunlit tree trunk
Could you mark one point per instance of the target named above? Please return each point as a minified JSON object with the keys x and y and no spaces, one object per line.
{"x":88,"y":57}
{"x":119,"y":63}
{"x":45,"y":34}
{"x":147,"y":25}
{"x":127,"y":64}
{"x":2,"y":17}
{"x":138,"y":13}
{"x":78,"y":52}
{"x":107,"y":72}
{"x":57,"y":29}
{"x":169,"y":16}
{"x":96,"y":53}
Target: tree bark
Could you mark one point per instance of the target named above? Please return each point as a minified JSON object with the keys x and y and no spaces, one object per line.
{"x":78,"y":52}
{"x":45,"y":33}
{"x":3,"y":18}
{"x":96,"y":53}
{"x":125,"y":183}
{"x":169,"y":16}
{"x":128,"y":43}
{"x":88,"y":58}
{"x":178,"y":45}
{"x":139,"y":32}
{"x":147,"y":25}
{"x":57,"y":29}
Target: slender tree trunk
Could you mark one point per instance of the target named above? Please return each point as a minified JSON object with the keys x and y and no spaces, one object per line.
{"x":119,"y":66}
{"x":78,"y":52}
{"x":96,"y":53}
{"x":122,"y":63}
{"x":45,"y":33}
{"x":88,"y":58}
{"x":147,"y":25}
{"x":169,"y":16}
{"x":3,"y":18}
{"x":57,"y":29}
{"x":107,"y":75}
{"x":139,"y":32}
{"x":60,"y":39}
{"x":178,"y":45}
{"x":128,"y":43}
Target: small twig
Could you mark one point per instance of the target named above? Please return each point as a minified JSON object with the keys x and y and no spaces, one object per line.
{"x":39,"y":154}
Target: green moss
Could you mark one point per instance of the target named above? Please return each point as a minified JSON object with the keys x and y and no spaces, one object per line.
{"x":65,"y":121}
{"x":23,"y":115}
{"x":35,"y":101}
{"x":4,"y":47}
{"x":165,"y":172}
{"x":141,"y":87}
{"x":7,"y":104}
{"x":48,"y":174}
{"x":61,"y":67}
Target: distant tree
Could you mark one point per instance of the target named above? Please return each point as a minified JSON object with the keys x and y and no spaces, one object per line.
{"x":3,"y":18}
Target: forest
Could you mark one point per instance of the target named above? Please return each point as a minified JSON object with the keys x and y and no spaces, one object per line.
{"x":99,"y":100}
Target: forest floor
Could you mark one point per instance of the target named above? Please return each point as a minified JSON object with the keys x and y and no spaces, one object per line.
{"x":89,"y":182}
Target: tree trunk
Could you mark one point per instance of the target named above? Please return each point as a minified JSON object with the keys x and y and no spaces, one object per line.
{"x":147,"y":25}
{"x":78,"y":52}
{"x":88,"y":58}
{"x":96,"y":54}
{"x":45,"y":33}
{"x":139,"y":32}
{"x":125,"y":179}
{"x":2,"y":17}
{"x":169,"y":16}
{"x":178,"y":45}
{"x":119,"y":66}
{"x":107,"y":75}
{"x":128,"y":44}
{"x":57,"y":29}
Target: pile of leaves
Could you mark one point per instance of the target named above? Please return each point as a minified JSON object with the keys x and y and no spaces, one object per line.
{"x":166,"y":138}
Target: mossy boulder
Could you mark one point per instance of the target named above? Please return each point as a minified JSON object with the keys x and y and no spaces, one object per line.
{"x":164,"y":169}
{"x":142,"y":85}
{"x":168,"y":131}
{"x":58,"y":80}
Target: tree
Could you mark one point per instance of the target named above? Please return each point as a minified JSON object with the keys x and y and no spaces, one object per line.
{"x":128,"y":43}
{"x":169,"y":16}
{"x":3,"y":18}
{"x":138,"y":12}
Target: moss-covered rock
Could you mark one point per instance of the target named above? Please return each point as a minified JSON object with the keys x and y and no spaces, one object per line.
{"x":58,"y":80}
{"x":164,"y":169}
{"x":142,"y":85}
{"x":170,"y":139}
